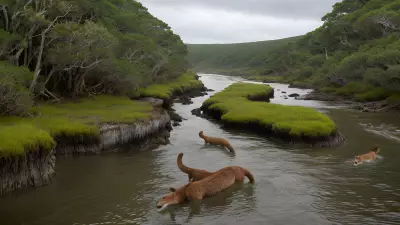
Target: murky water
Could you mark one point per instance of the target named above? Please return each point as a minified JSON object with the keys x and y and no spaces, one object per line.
{"x":293,"y":186}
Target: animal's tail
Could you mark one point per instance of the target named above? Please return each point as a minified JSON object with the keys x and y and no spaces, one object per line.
{"x":182,"y":167}
{"x":249,"y":175}
{"x":229,"y":146}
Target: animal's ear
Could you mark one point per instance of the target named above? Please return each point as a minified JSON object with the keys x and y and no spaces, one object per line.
{"x":172,"y":189}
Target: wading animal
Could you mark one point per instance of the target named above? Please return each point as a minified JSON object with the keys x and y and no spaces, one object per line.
{"x":193,"y":174}
{"x":206,"y":187}
{"x":359,"y":159}
{"x":216,"y":141}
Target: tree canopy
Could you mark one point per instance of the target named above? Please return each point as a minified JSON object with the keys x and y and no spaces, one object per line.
{"x":358,"y":45}
{"x":68,"y":48}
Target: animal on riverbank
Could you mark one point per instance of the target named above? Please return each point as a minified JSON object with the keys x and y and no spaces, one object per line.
{"x":207,"y":187}
{"x":216,"y":141}
{"x":370,"y":156}
{"x":193,"y":174}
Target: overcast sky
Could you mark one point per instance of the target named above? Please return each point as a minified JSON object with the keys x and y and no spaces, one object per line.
{"x":232,"y":21}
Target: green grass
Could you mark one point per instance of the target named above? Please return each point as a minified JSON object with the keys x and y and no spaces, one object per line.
{"x":359,"y":92}
{"x":394,"y":99}
{"x":80,"y":118}
{"x":240,"y":91}
{"x":266,"y":78}
{"x":297,"y":121}
{"x":352,"y":89}
{"x":375,"y":94}
{"x":181,"y":84}
{"x":330,"y":90}
{"x":15,"y":139}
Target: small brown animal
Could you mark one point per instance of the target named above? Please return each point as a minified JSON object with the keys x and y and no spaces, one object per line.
{"x":359,"y":159}
{"x":209,"y":186}
{"x":193,"y":174}
{"x":216,"y":141}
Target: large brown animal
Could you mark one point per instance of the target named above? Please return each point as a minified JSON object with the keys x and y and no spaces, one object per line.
{"x":216,"y":141}
{"x":209,"y":186}
{"x":193,"y":174}
{"x":370,"y":156}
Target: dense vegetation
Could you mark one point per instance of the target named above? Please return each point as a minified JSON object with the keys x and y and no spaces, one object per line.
{"x":234,"y":59}
{"x":355,"y":53}
{"x":71,"y":51}
{"x":296,"y":121}
{"x":67,"y":48}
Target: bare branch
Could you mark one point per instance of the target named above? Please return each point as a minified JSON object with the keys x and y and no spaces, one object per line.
{"x":42,"y":44}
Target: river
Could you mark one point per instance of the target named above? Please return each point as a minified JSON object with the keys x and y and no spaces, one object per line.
{"x":293,"y":186}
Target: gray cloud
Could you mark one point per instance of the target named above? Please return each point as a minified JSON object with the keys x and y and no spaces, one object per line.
{"x":229,"y":21}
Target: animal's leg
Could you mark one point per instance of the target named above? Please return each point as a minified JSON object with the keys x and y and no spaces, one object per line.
{"x":197,"y":196}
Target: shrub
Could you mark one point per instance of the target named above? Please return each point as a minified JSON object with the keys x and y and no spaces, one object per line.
{"x":353,"y":88}
{"x":15,"y":98}
{"x":394,"y":99}
{"x":375,"y":94}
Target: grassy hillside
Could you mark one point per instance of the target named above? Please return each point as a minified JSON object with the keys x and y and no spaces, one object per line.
{"x":233,"y":58}
{"x":355,"y":53}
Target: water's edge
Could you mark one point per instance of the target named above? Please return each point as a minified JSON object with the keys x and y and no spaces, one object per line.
{"x":36,"y":168}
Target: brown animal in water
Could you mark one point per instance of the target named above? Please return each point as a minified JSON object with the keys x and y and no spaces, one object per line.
{"x":193,"y":174}
{"x":206,"y":187}
{"x":216,"y":141}
{"x":359,"y":159}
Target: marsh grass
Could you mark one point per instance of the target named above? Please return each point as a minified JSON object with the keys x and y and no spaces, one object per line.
{"x":375,"y":94}
{"x":241,"y":90}
{"x":295,"y":121}
{"x":359,"y":92}
{"x":266,"y":78}
{"x":79,"y":118}
{"x":181,"y":84}
{"x":15,"y":139}
{"x":394,"y":99}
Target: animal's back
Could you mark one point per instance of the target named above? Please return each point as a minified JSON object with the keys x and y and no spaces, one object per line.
{"x":219,"y":181}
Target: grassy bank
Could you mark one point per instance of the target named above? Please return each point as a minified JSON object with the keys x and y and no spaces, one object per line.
{"x":267,"y":79}
{"x":166,"y":90}
{"x":293,"y":121}
{"x":79,"y":118}
{"x":241,"y":91}
{"x":361,"y":92}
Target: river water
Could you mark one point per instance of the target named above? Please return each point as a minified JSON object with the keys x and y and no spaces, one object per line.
{"x":293,"y":186}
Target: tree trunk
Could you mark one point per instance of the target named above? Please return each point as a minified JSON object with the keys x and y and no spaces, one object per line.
{"x":39,"y":61}
{"x":5,"y":14}
{"x":326,"y":54}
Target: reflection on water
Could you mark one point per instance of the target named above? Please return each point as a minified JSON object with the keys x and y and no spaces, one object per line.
{"x":293,"y":186}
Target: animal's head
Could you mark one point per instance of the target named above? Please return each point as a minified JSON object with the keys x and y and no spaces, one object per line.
{"x":176,"y":196}
{"x":200,"y":133}
{"x":357,"y":160}
{"x":376,"y":149}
